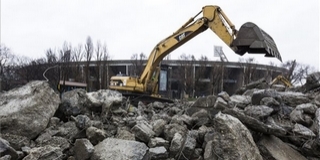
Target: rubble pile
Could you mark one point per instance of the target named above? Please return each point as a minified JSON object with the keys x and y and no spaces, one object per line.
{"x":258,"y":122}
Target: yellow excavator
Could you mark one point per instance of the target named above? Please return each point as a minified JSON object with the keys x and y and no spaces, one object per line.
{"x":281,"y":79}
{"x":250,"y":38}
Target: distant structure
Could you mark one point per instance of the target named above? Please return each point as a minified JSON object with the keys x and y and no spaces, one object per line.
{"x":218,"y":52}
{"x":168,"y":57}
{"x":211,"y":77}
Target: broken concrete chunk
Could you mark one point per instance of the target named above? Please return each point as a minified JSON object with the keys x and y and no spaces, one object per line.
{"x":272,"y":147}
{"x":240,"y":101}
{"x":157,"y":153}
{"x":270,"y":102}
{"x":230,"y":133}
{"x":118,"y":149}
{"x":143,"y":131}
{"x":83,"y":149}
{"x":221,"y":104}
{"x":302,"y":130}
{"x":279,"y":87}
{"x":82,"y":121}
{"x":104,"y":100}
{"x":6,"y":157}
{"x":258,"y":95}
{"x":125,"y":134}
{"x":258,"y":111}
{"x":308,"y":108}
{"x":56,"y":141}
{"x":176,"y":144}
{"x":298,"y":116}
{"x":31,"y":105}
{"x":313,"y":81}
{"x":208,"y":151}
{"x":225,"y":96}
{"x":317,"y":126}
{"x":6,"y":149}
{"x":182,"y":119}
{"x":68,"y":130}
{"x":73,"y":103}
{"x":316,"y":100}
{"x":294,"y":98}
{"x":46,"y":152}
{"x":158,"y":105}
{"x":95,"y":135}
{"x":171,"y":129}
{"x":158,"y":126}
{"x":157,"y":142}
{"x":303,"y":114}
{"x":16,"y":141}
{"x":200,"y":118}
{"x":208,"y":101}
{"x":189,"y":145}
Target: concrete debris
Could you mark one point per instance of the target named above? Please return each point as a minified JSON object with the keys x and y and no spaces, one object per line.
{"x":143,"y":131}
{"x":157,"y":153}
{"x":240,"y":101}
{"x":158,"y":126}
{"x":176,"y":145}
{"x":268,"y":123}
{"x":31,"y":105}
{"x":83,"y":149}
{"x":258,"y":112}
{"x":230,"y":133}
{"x":313,"y":81}
{"x":95,"y":135}
{"x":118,"y":149}
{"x":46,"y":152}
{"x":73,"y":103}
{"x":6,"y":149}
{"x":125,"y":134}
{"x":303,"y":131}
{"x":158,"y":142}
{"x":272,"y":147}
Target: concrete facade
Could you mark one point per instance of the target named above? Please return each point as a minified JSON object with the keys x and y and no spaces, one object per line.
{"x":178,"y":76}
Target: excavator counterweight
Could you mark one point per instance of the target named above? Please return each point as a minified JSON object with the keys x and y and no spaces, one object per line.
{"x":250,"y":38}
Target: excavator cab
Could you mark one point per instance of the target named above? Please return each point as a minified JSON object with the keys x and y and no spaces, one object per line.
{"x":250,"y":38}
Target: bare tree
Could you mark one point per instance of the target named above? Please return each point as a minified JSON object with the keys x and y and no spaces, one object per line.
{"x":202,"y":73}
{"x":65,"y":63}
{"x":250,"y":72}
{"x":137,"y":61}
{"x":217,"y":78}
{"x":88,"y":51}
{"x":51,"y":56}
{"x":186,"y":74}
{"x":4,"y":58}
{"x":78,"y":53}
{"x":99,"y":59}
{"x":105,"y":66}
{"x":29,"y":69}
{"x":297,"y":72}
{"x":77,"y":56}
{"x":6,"y":68}
{"x":52,"y":73}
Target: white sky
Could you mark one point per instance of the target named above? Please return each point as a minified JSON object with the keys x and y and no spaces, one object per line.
{"x":31,"y":27}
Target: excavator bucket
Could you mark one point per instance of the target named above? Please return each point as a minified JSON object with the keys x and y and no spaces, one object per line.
{"x":250,"y":38}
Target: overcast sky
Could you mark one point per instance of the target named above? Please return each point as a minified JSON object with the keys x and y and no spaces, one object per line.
{"x":30,"y":27}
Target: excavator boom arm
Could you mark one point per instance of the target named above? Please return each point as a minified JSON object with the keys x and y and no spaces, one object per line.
{"x":213,"y":18}
{"x":250,"y":38}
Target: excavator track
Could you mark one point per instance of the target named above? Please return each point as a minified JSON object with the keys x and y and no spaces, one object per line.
{"x":134,"y":98}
